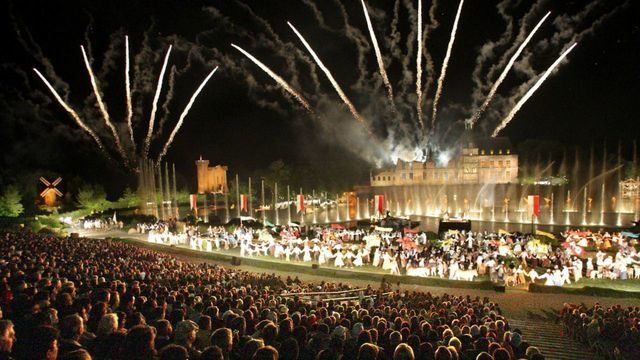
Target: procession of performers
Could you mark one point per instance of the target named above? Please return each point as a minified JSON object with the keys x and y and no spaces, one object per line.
{"x":513,"y":259}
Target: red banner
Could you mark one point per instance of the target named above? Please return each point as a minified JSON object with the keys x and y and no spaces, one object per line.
{"x":300,"y":203}
{"x":534,"y":205}
{"x":193,"y":201}
{"x":243,"y":202}
{"x":379,"y":203}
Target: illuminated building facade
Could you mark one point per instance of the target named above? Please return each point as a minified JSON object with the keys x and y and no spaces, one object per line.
{"x":489,"y":161}
{"x":211,"y":178}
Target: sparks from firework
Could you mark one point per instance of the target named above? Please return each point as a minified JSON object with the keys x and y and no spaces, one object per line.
{"x":277,"y":78}
{"x":419,"y":68}
{"x":504,"y":73}
{"x":91,"y":133}
{"x":127,"y":82}
{"x":333,"y":81}
{"x":445,"y":64}
{"x":529,"y":93}
{"x":376,"y":48}
{"x":102,"y":106}
{"x":154,"y":105}
{"x":71,"y":112}
{"x":184,"y":114}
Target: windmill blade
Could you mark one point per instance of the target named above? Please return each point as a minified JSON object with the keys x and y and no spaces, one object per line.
{"x":56,"y":181}
{"x":44,"y":181}
{"x":44,"y":192}
{"x":57,"y":192}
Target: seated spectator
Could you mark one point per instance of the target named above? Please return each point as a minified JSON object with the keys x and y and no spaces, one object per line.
{"x":174,"y":352}
{"x":7,"y":339}
{"x":43,"y":344}
{"x":71,"y":330}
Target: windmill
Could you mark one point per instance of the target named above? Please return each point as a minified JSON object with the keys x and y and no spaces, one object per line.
{"x":50,"y":193}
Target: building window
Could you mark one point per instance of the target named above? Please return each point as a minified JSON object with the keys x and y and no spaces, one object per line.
{"x":500,"y":151}
{"x":410,"y":176}
{"x":482,"y":152}
{"x":404,"y":176}
{"x":508,"y":163}
{"x":491,"y":152}
{"x":500,"y":163}
{"x":508,"y":151}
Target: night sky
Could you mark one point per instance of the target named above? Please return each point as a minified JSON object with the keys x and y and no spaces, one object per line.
{"x":243,"y":120}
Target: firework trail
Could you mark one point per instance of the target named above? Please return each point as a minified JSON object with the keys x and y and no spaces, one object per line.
{"x":333,"y":81}
{"x":504,"y":73}
{"x":71,"y":112}
{"x":127,"y":81}
{"x":154,"y":106}
{"x":529,"y":93}
{"x":376,"y":48}
{"x":101,"y":105}
{"x":184,"y":114}
{"x":277,"y":78}
{"x":445,"y":63}
{"x":419,"y":67}
{"x":433,"y":24}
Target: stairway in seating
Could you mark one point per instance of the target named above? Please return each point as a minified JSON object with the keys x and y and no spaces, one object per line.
{"x":546,"y":336}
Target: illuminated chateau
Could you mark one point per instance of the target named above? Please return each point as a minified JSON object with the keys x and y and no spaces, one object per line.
{"x":211,"y":178}
{"x":486,"y":161}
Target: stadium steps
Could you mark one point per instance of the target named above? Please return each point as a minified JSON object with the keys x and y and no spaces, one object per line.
{"x":547,"y":336}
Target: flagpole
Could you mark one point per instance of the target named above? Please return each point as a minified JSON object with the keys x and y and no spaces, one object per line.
{"x":288,"y":204}
{"x":238,"y":195}
{"x":275,"y":203}
{"x":175,"y":192}
{"x":264,"y":212}
{"x":206,"y":210}
{"x":301,"y":208}
{"x":315,"y":206}
{"x":250,"y":208}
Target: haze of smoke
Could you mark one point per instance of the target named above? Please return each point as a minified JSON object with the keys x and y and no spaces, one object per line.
{"x":72,"y":112}
{"x":277,"y":78}
{"x":275,"y":44}
{"x":488,"y":50}
{"x":394,"y":37}
{"x":335,"y":84}
{"x":360,"y":42}
{"x":284,"y":50}
{"x":102,"y":106}
{"x":528,"y":18}
{"x":564,"y":24}
{"x":504,"y":73}
{"x":383,"y":72}
{"x":87,"y":38}
{"x":419,"y":67}
{"x":184,"y":114}
{"x":407,"y":74}
{"x":445,"y":64}
{"x":127,"y":87}
{"x":32,"y":48}
{"x":317,"y":14}
{"x":429,"y":64}
{"x":166,"y":108}
{"x":154,"y":106}
{"x":531,"y":91}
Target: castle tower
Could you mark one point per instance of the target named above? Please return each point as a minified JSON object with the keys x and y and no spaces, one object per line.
{"x":202,"y":167}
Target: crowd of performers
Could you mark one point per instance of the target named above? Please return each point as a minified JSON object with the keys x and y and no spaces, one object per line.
{"x":512,"y":259}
